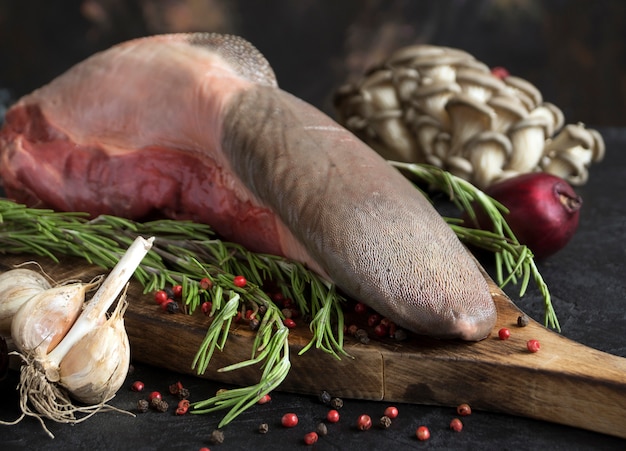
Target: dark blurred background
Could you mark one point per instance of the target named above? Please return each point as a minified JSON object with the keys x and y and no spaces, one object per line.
{"x":572,"y":50}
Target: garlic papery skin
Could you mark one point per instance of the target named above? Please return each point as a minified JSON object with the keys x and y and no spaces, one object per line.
{"x":42,"y":322}
{"x":103,"y":299}
{"x":96,"y":367}
{"x":16,"y":287}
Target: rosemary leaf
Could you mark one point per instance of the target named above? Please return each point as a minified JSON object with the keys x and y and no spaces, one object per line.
{"x":511,"y":256}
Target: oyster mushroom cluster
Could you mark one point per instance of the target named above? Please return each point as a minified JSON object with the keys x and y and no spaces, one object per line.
{"x":441,"y":106}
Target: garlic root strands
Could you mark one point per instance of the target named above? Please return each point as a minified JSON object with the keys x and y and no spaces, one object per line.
{"x":47,"y":381}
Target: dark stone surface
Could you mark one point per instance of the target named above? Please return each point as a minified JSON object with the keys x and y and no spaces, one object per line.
{"x":588,"y":288}
{"x":574,"y":58}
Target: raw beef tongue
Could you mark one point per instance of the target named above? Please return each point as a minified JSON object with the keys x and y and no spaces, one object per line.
{"x":194,"y":127}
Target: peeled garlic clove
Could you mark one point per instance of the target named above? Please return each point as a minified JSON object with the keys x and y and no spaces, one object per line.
{"x":42,"y":322}
{"x":95,"y":368}
{"x":16,"y":287}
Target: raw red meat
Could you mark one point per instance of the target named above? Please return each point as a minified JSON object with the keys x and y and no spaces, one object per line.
{"x":194,"y":127}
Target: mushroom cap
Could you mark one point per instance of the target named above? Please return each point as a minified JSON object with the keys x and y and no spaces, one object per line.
{"x":427,"y":55}
{"x":425,"y":129}
{"x":459,"y":166}
{"x":567,"y":165}
{"x":467,"y":76}
{"x":488,"y":152}
{"x":508,"y":109}
{"x":431,"y":100}
{"x":526,"y":91}
{"x":571,"y":135}
{"x":467,"y":118}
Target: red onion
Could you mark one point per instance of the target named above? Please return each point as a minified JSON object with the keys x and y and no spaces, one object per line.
{"x":543,"y":208}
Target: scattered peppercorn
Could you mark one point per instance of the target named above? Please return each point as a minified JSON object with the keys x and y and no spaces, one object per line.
{"x":264,"y":399}
{"x":240,"y":281}
{"x":183,"y":407}
{"x":364,"y":422}
{"x":289,"y":323}
{"x":175,"y":388}
{"x":464,"y":409}
{"x":391,"y":412}
{"x":332,"y":416}
{"x":177,"y":291}
{"x":206,"y":283}
{"x":310,"y":438}
{"x":361,"y":335}
{"x":336,"y":403}
{"x":385,"y":421}
{"x":183,"y":393}
{"x":381,"y":330}
{"x":324,"y":397}
{"x":142,"y":406}
{"x":204,"y":448}
{"x":522,"y":320}
{"x":392,"y":330}
{"x":159,"y":405}
{"x":533,"y":345}
{"x":456,"y":425}
{"x":287,"y":312}
{"x":400,"y":335}
{"x":504,"y":333}
{"x":264,"y":428}
{"x":373,"y":319}
{"x":254,"y":324}
{"x":360,"y":308}
{"x":160,"y":296}
{"x":289,"y":420}
{"x":137,"y":386}
{"x":352,"y":328}
{"x":154,"y":395}
{"x":206,"y":307}
{"x":216,"y":437}
{"x":422,"y":433}
{"x":321,"y":429}
{"x":171,"y":306}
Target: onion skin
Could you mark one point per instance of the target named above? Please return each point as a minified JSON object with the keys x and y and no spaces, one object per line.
{"x":543,"y":211}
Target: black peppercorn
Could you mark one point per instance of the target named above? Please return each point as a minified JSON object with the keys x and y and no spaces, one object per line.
{"x":159,"y":405}
{"x":522,"y":321}
{"x":385,"y":421}
{"x":325,"y":397}
{"x":336,"y":403}
{"x":172,"y":307}
{"x":264,"y":428}
{"x":217,"y":437}
{"x":142,"y":406}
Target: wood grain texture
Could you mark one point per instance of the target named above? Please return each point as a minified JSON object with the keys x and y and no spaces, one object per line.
{"x":565,"y":382}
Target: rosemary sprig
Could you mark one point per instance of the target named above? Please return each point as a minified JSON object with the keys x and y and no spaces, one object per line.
{"x":510,"y":256}
{"x":185,"y":252}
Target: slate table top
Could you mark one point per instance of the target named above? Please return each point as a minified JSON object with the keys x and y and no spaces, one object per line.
{"x":587,"y":280}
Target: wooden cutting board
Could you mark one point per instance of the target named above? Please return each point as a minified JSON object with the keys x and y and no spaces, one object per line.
{"x":565,"y":382}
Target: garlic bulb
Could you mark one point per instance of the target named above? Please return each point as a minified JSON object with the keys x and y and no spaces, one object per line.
{"x":96,"y":367}
{"x":42,"y":322}
{"x":70,"y":349}
{"x":16,"y":287}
